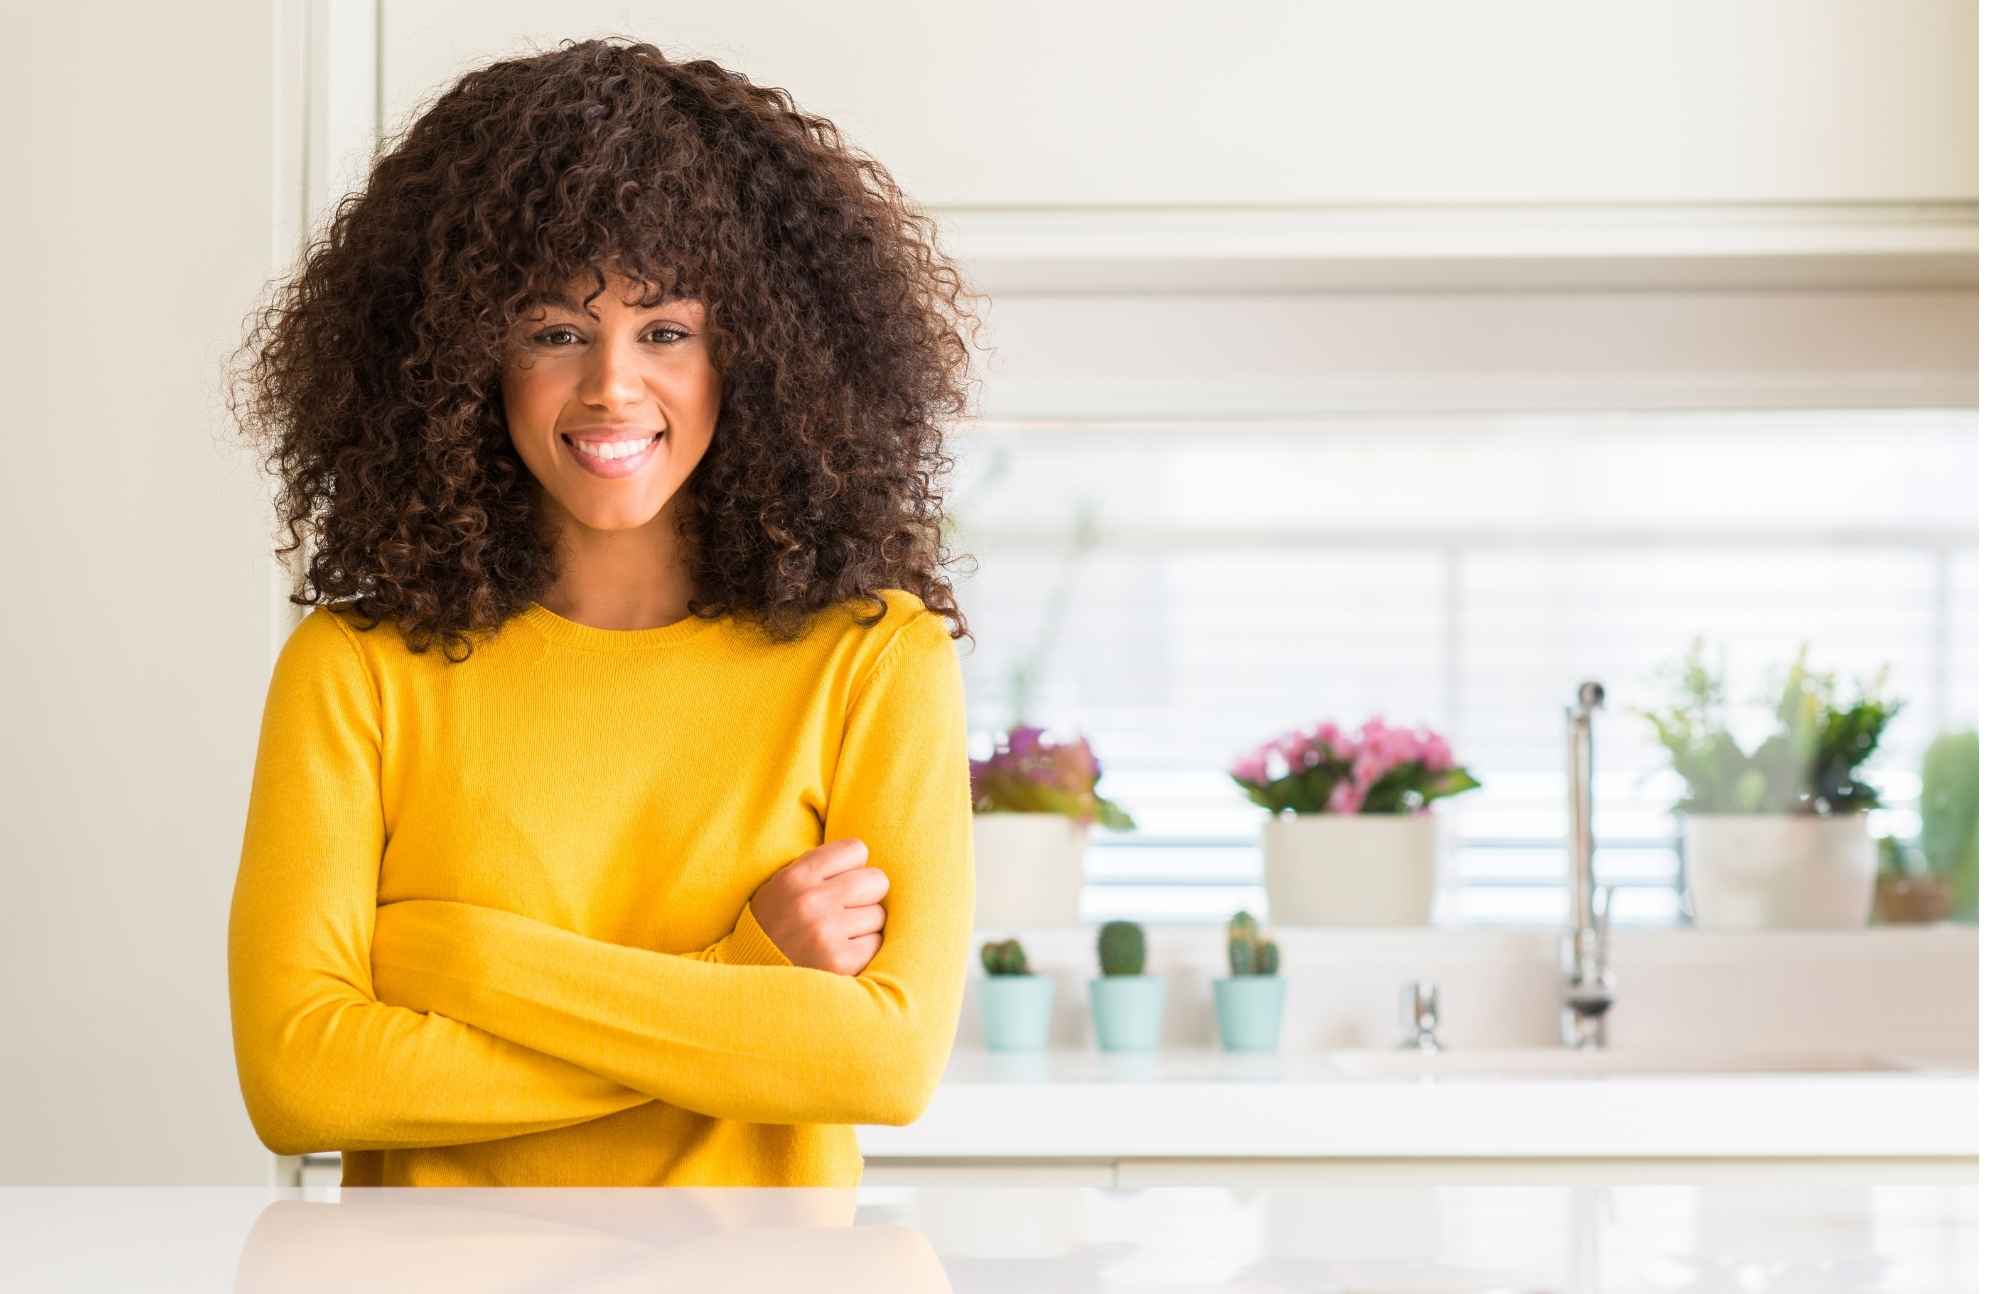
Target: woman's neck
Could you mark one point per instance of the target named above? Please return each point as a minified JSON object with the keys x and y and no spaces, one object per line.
{"x":620,"y":579}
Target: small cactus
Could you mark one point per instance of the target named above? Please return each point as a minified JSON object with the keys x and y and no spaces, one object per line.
{"x":1121,"y":948}
{"x":1250,"y":954}
{"x":1004,"y":957}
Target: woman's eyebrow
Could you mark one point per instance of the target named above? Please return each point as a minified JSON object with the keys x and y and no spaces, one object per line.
{"x":559,"y":301}
{"x":576,"y":307}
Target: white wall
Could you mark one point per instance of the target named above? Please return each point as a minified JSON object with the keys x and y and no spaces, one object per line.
{"x":139,"y":226}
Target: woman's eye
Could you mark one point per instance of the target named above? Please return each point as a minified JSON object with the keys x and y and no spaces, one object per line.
{"x":549,"y":337}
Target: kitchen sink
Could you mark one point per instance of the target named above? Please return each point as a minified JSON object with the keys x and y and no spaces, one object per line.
{"x":1563,"y":1062}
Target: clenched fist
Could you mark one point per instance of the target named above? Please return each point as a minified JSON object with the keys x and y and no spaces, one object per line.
{"x":824,"y":908}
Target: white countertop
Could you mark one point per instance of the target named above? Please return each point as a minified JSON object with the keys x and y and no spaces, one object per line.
{"x":917,"y":1240}
{"x":1531,"y":1102}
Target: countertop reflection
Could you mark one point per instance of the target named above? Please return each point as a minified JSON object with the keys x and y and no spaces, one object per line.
{"x":889,"y":1240}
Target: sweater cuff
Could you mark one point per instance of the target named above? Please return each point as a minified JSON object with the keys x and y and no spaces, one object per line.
{"x":748,"y":945}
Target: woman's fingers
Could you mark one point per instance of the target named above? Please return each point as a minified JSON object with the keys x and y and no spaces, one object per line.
{"x":837,"y":857}
{"x":860,"y":887}
{"x":862,"y":920}
{"x":861,"y":951}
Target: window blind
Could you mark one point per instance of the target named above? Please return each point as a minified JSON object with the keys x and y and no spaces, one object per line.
{"x":1179,"y":591}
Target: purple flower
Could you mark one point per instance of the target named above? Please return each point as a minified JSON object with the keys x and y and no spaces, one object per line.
{"x":1028,"y":773}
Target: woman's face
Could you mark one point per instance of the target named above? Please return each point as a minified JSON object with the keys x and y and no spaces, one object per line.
{"x":608,"y":378}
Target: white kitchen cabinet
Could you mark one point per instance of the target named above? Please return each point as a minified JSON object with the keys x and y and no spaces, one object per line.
{"x":322,"y":1172}
{"x":314,"y":1170}
{"x":1056,"y":105}
{"x":1249,"y":1173}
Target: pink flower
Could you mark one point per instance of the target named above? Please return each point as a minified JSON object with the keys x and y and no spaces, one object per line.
{"x":1395,"y":746}
{"x":1369,"y":755}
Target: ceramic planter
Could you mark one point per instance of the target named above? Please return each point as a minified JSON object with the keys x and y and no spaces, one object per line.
{"x":1912,"y":900}
{"x":1762,"y":871}
{"x":1014,"y":1011}
{"x":1248,"y":1011}
{"x":1027,"y":869}
{"x":1126,"y":1011}
{"x":1351,"y":869}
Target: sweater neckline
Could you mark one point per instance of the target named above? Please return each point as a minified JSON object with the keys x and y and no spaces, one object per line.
{"x":573,"y":633}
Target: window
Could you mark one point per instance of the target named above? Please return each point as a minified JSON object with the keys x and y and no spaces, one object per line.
{"x":1180,"y":591}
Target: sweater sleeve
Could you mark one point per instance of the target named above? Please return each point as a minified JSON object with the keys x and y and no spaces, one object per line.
{"x":323,"y":1064}
{"x":759,"y":1043}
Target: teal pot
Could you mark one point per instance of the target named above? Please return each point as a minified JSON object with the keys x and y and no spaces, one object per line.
{"x":1248,"y":1011}
{"x":1126,"y":1010}
{"x":1014,"y":1011}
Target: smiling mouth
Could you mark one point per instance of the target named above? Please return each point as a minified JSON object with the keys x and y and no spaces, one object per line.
{"x":613,"y":467}
{"x":571,"y":442}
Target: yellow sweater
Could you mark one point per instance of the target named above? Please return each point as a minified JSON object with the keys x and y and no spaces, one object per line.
{"x":491,"y":924}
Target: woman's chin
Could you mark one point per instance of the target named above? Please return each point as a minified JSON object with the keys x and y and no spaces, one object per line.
{"x":608,"y":515}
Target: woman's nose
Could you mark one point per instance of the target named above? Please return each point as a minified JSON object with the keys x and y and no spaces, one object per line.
{"x":612,"y":375}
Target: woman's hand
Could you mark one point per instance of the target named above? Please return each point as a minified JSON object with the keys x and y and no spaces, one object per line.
{"x":824,"y":908}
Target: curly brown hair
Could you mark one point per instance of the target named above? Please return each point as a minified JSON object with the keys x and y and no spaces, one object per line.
{"x":373,"y":387}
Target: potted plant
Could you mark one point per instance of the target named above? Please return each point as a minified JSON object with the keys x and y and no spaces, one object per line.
{"x":1776,"y":837}
{"x":1907,"y":892}
{"x":1351,"y":839}
{"x":1125,"y":1002}
{"x":1013,"y":1000}
{"x":1033,"y":804}
{"x":1949,"y":807}
{"x":1250,"y":1000}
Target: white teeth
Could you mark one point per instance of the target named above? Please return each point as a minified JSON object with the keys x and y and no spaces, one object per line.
{"x":617,"y":450}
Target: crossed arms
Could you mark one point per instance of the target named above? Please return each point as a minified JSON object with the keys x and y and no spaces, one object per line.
{"x":433,"y":1022}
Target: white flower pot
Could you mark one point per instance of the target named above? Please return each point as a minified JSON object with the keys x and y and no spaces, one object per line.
{"x":1761,"y":871}
{"x":1027,"y":869}
{"x":1351,"y":869}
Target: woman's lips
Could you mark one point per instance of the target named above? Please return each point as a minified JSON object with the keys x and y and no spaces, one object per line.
{"x":612,"y":469}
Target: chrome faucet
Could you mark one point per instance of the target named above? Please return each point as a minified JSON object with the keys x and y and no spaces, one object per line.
{"x":1586,"y":992}
{"x":1420,"y":1017}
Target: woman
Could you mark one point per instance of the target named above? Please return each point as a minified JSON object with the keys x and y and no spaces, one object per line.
{"x":622,"y":384}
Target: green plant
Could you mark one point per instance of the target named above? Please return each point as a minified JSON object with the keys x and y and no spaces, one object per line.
{"x":1250,"y":954}
{"x":1898,"y":857}
{"x":1807,"y":766}
{"x":1949,"y":805}
{"x":1121,"y":948}
{"x":1004,"y":957}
